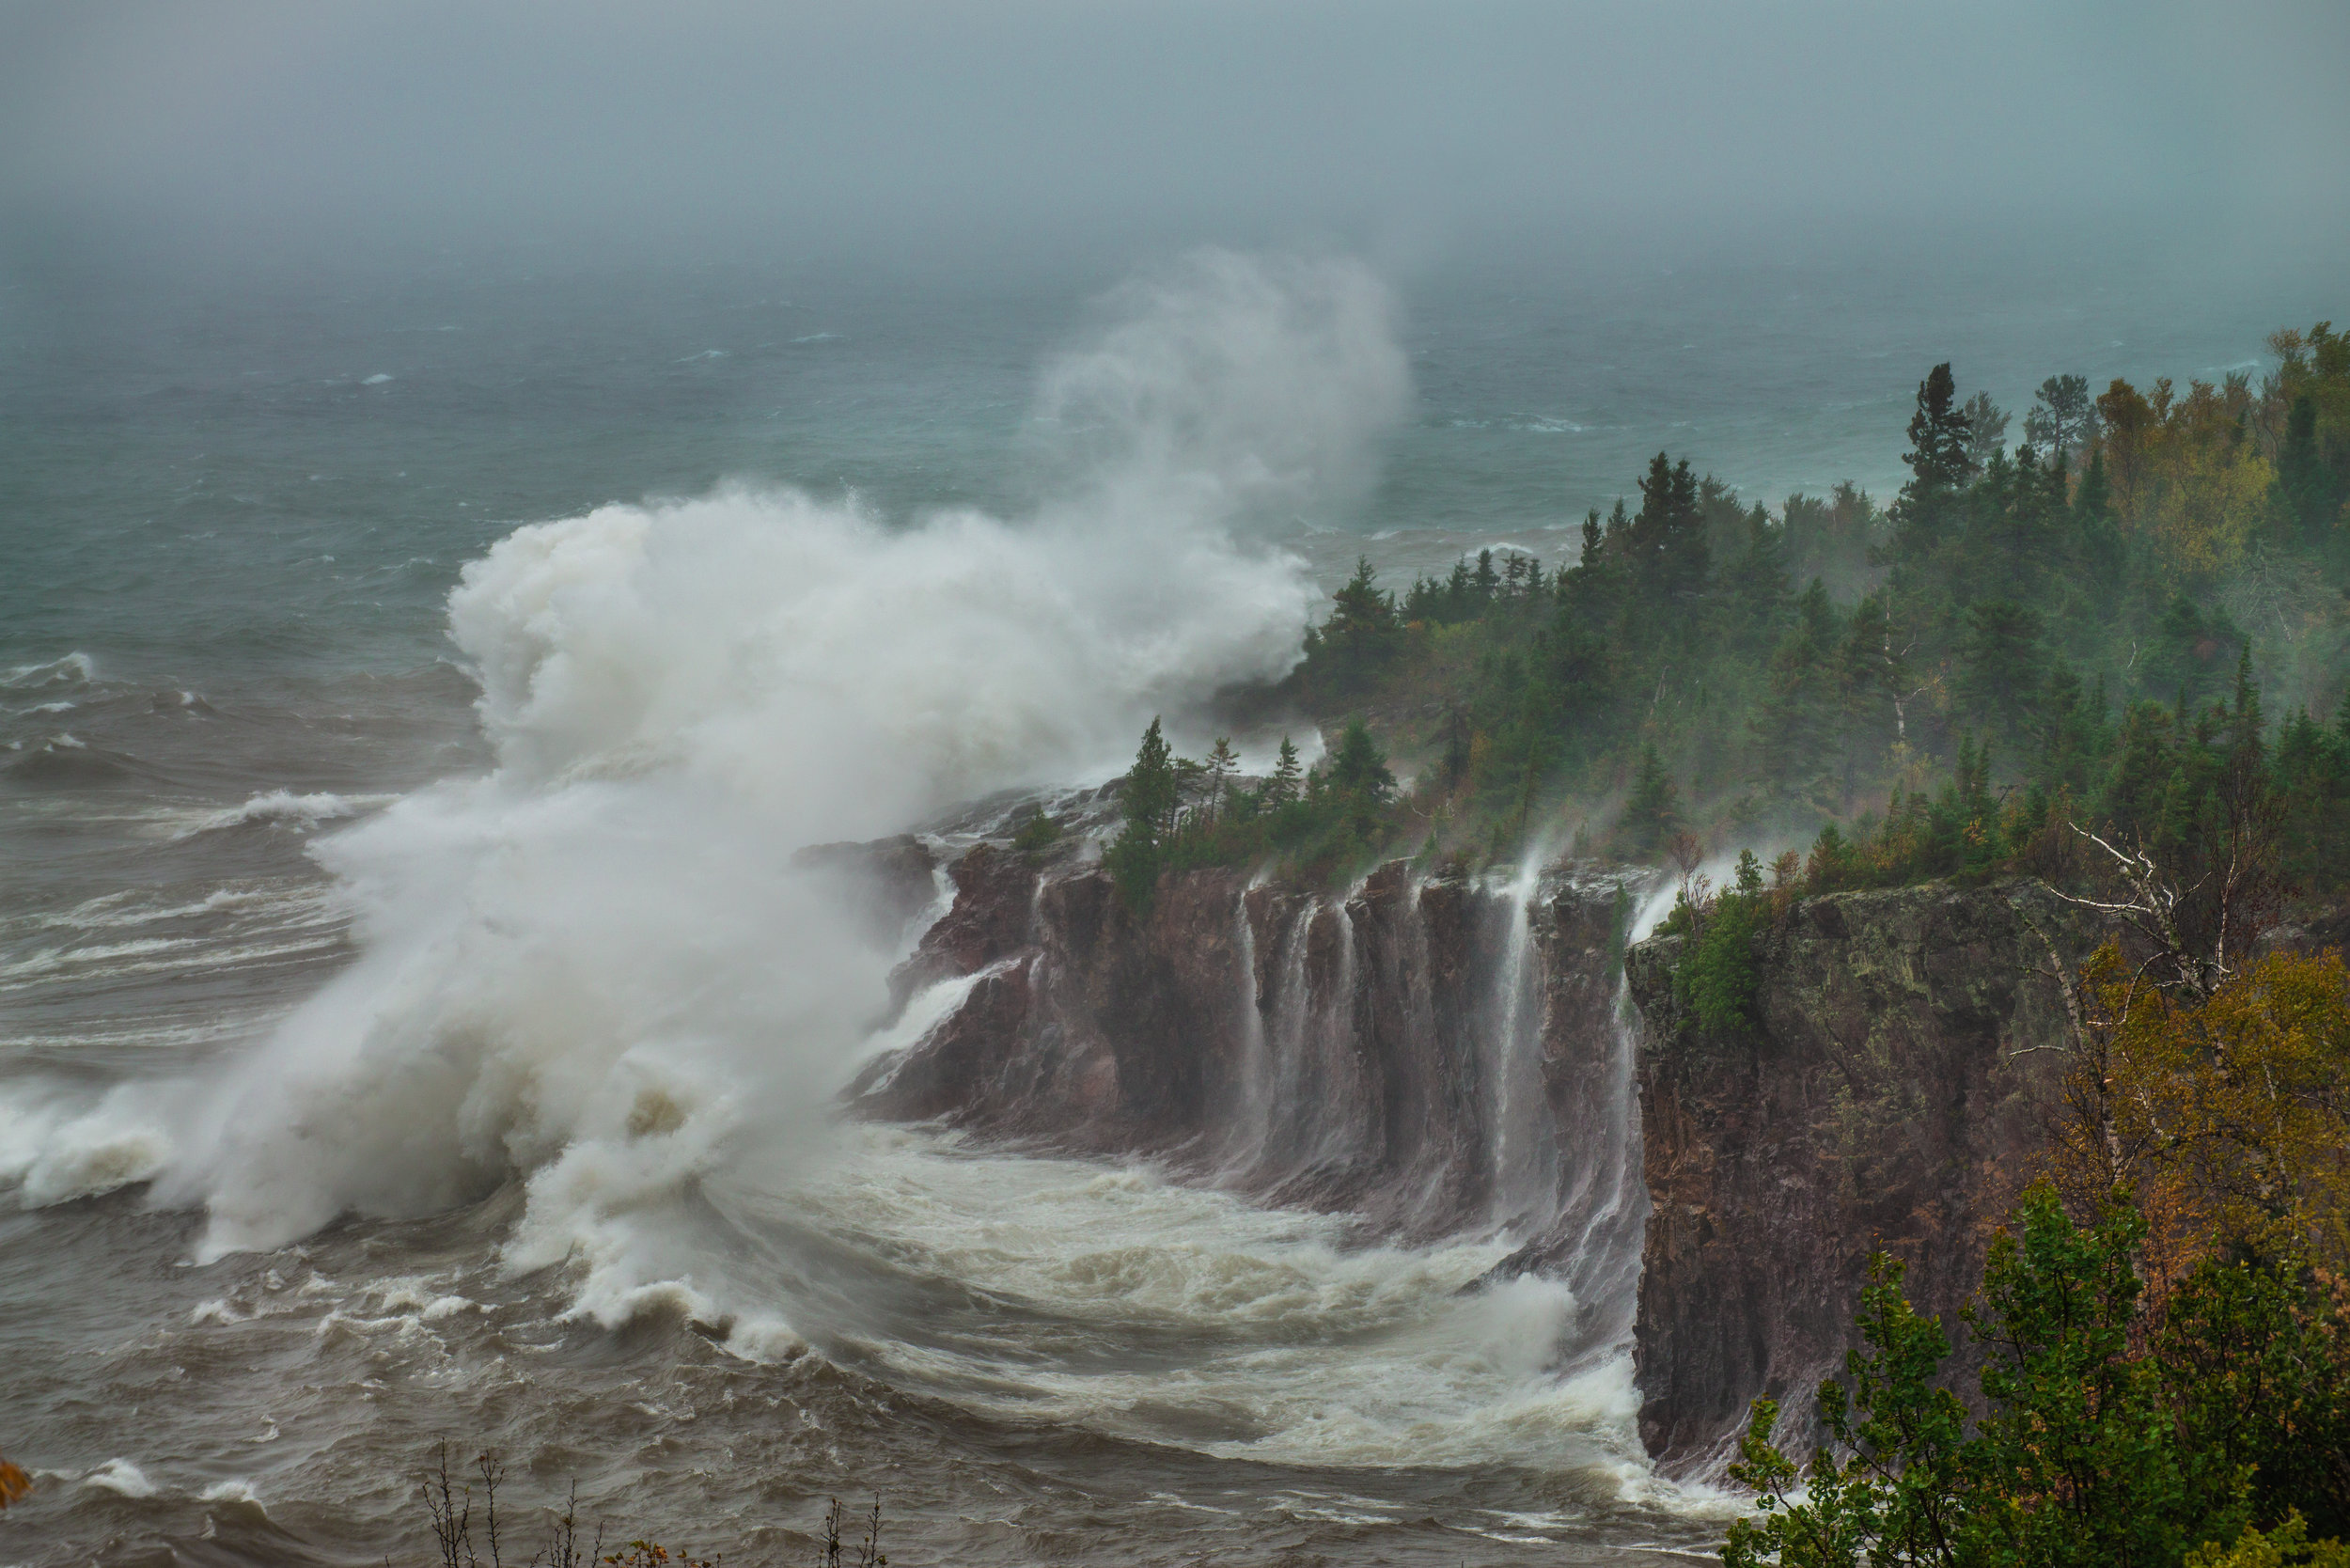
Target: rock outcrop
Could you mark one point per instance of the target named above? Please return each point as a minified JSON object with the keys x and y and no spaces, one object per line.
{"x":1453,"y":1053}
{"x":1437,"y":1054}
{"x":1893,"y":1097}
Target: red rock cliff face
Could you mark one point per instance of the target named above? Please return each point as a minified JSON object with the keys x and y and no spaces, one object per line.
{"x":1451,"y":1054}
{"x":1438,"y":1055}
{"x":1892,"y":1098}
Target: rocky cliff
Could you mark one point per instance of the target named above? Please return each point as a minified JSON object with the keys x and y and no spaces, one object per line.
{"x":1437,"y":1053}
{"x":1452,"y":1052}
{"x":1893,"y":1097}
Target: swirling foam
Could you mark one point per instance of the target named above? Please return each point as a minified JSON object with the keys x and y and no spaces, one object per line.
{"x":595,"y":967}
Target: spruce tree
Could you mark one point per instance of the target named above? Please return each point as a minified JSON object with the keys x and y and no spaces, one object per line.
{"x":1149,"y":795}
{"x":1149,"y":799}
{"x":1363,"y":632}
{"x":2305,"y":488}
{"x":1651,"y":814}
{"x":1221,"y":765}
{"x":1359,"y":766}
{"x":1761,"y":585}
{"x":1986,"y":430}
{"x":1667,"y":536}
{"x":1938,"y":433}
{"x":1281,"y":788}
{"x":2003,"y":666}
{"x":1459,"y":592}
{"x":2063,"y":419}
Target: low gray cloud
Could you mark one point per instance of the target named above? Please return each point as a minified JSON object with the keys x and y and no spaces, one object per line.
{"x":944,"y":134}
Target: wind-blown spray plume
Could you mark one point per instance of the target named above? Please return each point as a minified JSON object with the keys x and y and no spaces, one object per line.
{"x":596,"y":966}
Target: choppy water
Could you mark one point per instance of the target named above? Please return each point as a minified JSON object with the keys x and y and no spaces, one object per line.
{"x":326,"y":895}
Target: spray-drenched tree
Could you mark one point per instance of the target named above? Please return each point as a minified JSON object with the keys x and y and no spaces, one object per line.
{"x":1282,"y":786}
{"x":1362,"y":635}
{"x":1149,"y":799}
{"x":1359,"y":767}
{"x":1652,"y":813}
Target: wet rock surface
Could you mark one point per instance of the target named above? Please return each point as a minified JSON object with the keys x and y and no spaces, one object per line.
{"x":1450,"y":1053}
{"x":1440,"y":1054}
{"x":1893,"y":1097}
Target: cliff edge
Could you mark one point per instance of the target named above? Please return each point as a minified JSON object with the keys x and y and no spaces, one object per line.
{"x":1891,"y":1095}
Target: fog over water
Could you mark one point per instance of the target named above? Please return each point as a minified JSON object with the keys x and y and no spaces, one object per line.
{"x":479,"y":489}
{"x":1038,"y":135}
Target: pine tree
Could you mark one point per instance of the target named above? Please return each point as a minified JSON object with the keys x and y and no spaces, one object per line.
{"x":2305,"y":488}
{"x":1359,"y":766}
{"x":1986,"y":430}
{"x":1796,"y":726}
{"x":2063,"y":419}
{"x":1651,"y":814}
{"x":1221,"y":765}
{"x":2003,"y":666}
{"x":1149,"y":799}
{"x":1364,"y":629}
{"x":1938,"y":433}
{"x":1361,"y":606}
{"x":1460,"y":593}
{"x":1667,"y":536}
{"x":1927,"y":508}
{"x":1872,"y":676}
{"x":1486,"y":582}
{"x":2097,"y":540}
{"x":1150,"y":795}
{"x":1762,"y":578}
{"x":1281,"y":788}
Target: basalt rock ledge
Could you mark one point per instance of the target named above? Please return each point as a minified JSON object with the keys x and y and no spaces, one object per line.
{"x":1891,"y":1095}
{"x":1438,"y":1054}
{"x":1454,"y":1053}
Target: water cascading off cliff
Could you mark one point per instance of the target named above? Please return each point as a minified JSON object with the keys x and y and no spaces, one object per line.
{"x":1438,"y":1055}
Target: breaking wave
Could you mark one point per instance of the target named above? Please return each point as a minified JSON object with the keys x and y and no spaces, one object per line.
{"x":285,"y":806}
{"x":595,"y":970}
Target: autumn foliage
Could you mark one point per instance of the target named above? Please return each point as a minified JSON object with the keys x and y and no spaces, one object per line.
{"x":2229,"y":1117}
{"x":2164,"y":1322}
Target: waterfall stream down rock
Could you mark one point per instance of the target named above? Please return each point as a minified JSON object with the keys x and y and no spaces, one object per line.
{"x":1440,"y":1054}
{"x":1457,"y":1055}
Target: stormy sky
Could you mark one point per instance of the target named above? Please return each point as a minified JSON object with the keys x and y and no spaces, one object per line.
{"x":951,"y":132}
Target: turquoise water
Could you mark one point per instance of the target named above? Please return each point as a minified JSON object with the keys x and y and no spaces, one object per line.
{"x":209,"y":478}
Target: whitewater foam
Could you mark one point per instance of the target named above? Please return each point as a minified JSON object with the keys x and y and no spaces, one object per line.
{"x":122,"y":1478}
{"x":286,"y":805}
{"x":1297,"y":1345}
{"x":591,"y":973}
{"x":71,"y":670}
{"x":587,"y":969}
